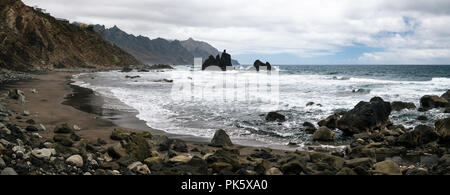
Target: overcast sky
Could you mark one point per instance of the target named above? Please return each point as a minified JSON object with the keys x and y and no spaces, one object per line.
{"x":283,"y":31}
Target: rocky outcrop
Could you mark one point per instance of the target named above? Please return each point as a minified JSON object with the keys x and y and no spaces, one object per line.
{"x":429,"y":102}
{"x":398,"y":106}
{"x":257,"y":64}
{"x":421,"y":134}
{"x":221,"y":139}
{"x":443,"y":128}
{"x":32,"y":39}
{"x":366,"y":116}
{"x":330,"y":122}
{"x":220,"y":61}
{"x":323,"y":134}
{"x":275,"y":116}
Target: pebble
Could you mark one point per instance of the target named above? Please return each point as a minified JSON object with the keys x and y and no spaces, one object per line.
{"x":76,"y":160}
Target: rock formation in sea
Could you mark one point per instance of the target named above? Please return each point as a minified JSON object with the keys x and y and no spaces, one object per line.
{"x":33,"y":39}
{"x":259,"y":64}
{"x":221,"y":61}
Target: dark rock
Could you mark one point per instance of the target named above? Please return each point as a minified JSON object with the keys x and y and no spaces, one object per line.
{"x":230,"y":156}
{"x":428,"y":102}
{"x":346,"y":171}
{"x":257,"y":64}
{"x":421,"y":134}
{"x":198,"y":165}
{"x":264,"y":153}
{"x":16,"y":94}
{"x":293,"y":164}
{"x":32,"y":129}
{"x":365,"y":163}
{"x":446,"y":95}
{"x":220,"y":61}
{"x":179,"y":146}
{"x":366,"y":116}
{"x":63,"y":128}
{"x":335,"y":162}
{"x":398,"y":106}
{"x":31,"y":122}
{"x":310,"y":104}
{"x":101,"y":142}
{"x":137,"y":147}
{"x":119,"y":134}
{"x":63,"y":140}
{"x":262,"y":167}
{"x":323,"y":134}
{"x":127,"y":69}
{"x":275,"y":116}
{"x":330,"y":122}
{"x":443,"y":128}
{"x":221,"y":139}
{"x":75,"y":137}
{"x":422,"y":118}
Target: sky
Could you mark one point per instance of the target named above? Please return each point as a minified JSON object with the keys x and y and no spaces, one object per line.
{"x":283,"y":31}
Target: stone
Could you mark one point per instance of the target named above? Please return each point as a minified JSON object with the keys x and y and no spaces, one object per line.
{"x":334,"y":162}
{"x":387,"y":167}
{"x":44,"y":153}
{"x":63,"y":140}
{"x":41,"y":127}
{"x":179,"y":146}
{"x":143,"y":170}
{"x":180,"y":158}
{"x":134,"y":165}
{"x":443,"y":128}
{"x":26,"y":113}
{"x":429,"y":102}
{"x":398,"y":106}
{"x":293,"y":164}
{"x":8,"y":171}
{"x":273,"y":171}
{"x":137,"y":147}
{"x":422,"y":118}
{"x":152,"y":161}
{"x":421,"y":134}
{"x":258,"y":64}
{"x":220,"y":166}
{"x":221,"y":139}
{"x":230,"y":156}
{"x":119,"y":134}
{"x":220,"y":61}
{"x":323,"y":134}
{"x":76,"y":160}
{"x":275,"y":116}
{"x":346,"y":171}
{"x":63,"y":128}
{"x":330,"y":122}
{"x":32,"y":129}
{"x":365,"y":163}
{"x":366,"y":116}
{"x":117,"y":151}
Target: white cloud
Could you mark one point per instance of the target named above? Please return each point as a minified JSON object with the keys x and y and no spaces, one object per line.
{"x":303,"y":28}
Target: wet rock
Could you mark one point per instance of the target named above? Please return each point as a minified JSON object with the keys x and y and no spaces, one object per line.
{"x":8,"y":171}
{"x":75,"y":137}
{"x":63,"y":129}
{"x":32,"y":128}
{"x":221,"y":139}
{"x":258,"y":64}
{"x":333,"y":161}
{"x":293,"y":164}
{"x":229,"y":156}
{"x":310,"y":104}
{"x":443,"y":128}
{"x":41,"y":127}
{"x":30,"y":121}
{"x":323,"y":134}
{"x":137,"y":147}
{"x":346,"y":171}
{"x":387,"y":167}
{"x":26,"y":113}
{"x":273,"y":171}
{"x":421,"y":134}
{"x":429,"y":102}
{"x":179,"y":146}
{"x":275,"y":116}
{"x":119,"y":134}
{"x":422,"y":118}
{"x":330,"y":122}
{"x":152,"y":161}
{"x":398,"y":106}
{"x":76,"y":160}
{"x":310,"y":128}
{"x":16,"y":94}
{"x":366,"y":116}
{"x":163,"y":141}
{"x":117,"y":151}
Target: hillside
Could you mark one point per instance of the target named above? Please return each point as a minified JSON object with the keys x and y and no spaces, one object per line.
{"x":159,"y":50}
{"x":32,"y":39}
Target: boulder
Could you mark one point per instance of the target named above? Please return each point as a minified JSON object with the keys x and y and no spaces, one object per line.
{"x":429,"y":102}
{"x":221,"y":139}
{"x":387,"y":167}
{"x":63,"y":140}
{"x":293,"y":164}
{"x":8,"y":171}
{"x":310,"y":128}
{"x":422,"y":118}
{"x":398,"y":106}
{"x":421,"y":134}
{"x":181,"y":159}
{"x":44,"y":153}
{"x":31,"y":128}
{"x":275,"y":116}
{"x":323,"y":134}
{"x":446,"y":95}
{"x":330,"y":122}
{"x":366,"y":116}
{"x":119,"y":134}
{"x":76,"y":160}
{"x":273,"y":171}
{"x":179,"y":146}
{"x":152,"y":161}
{"x":137,"y":147}
{"x":443,"y":128}
{"x":229,"y":156}
{"x":221,"y":61}
{"x":63,"y":128}
{"x":217,"y":167}
{"x":257,"y":64}
{"x":335,"y":162}
{"x":346,"y":171}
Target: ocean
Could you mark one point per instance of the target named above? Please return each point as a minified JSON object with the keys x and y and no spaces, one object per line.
{"x":197,"y":103}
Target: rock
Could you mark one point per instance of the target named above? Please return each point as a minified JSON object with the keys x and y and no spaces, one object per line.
{"x":229,"y":156}
{"x":110,"y":165}
{"x":134,"y":165}
{"x":143,"y":170}
{"x":443,"y":128}
{"x":264,"y":153}
{"x":421,"y":134}
{"x":221,"y":166}
{"x":44,"y":153}
{"x":127,"y":69}
{"x":274,"y":116}
{"x":447,"y":110}
{"x":179,"y":146}
{"x":429,"y":102}
{"x":310,"y":104}
{"x":333,"y":161}
{"x":366,"y":116}
{"x":220,"y":61}
{"x":398,"y":106}
{"x":152,"y":161}
{"x":330,"y":122}
{"x":293,"y":164}
{"x":117,"y":151}
{"x":2,"y":163}
{"x":31,"y":121}
{"x":221,"y":139}
{"x":8,"y":171}
{"x":323,"y":134}
{"x":181,"y":158}
{"x":422,"y":118}
{"x":310,"y":128}
{"x":63,"y":128}
{"x":76,"y":160}
{"x":41,"y":127}
{"x":16,"y":94}
{"x":101,"y":142}
{"x":75,"y":137}
{"x":365,"y":163}
{"x":63,"y":140}
{"x":387,"y":167}
{"x":119,"y":134}
{"x":137,"y":147}
{"x":273,"y":171}
{"x":257,"y":64}
{"x":31,"y":128}
{"x":26,"y":113}
{"x":346,"y":171}
{"x":446,"y":95}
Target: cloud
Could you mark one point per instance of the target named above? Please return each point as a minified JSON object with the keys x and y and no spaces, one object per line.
{"x":306,"y":29}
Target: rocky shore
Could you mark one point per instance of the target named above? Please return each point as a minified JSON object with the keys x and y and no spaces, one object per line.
{"x":39,"y":136}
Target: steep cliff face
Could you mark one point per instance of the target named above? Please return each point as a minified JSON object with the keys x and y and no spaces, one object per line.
{"x":158,"y":51}
{"x":32,"y":39}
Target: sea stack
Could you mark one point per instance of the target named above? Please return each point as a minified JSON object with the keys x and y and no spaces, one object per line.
{"x":220,"y":61}
{"x":258,"y":64}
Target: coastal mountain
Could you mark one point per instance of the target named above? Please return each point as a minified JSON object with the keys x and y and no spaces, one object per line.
{"x":159,"y":50}
{"x":32,"y":39}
